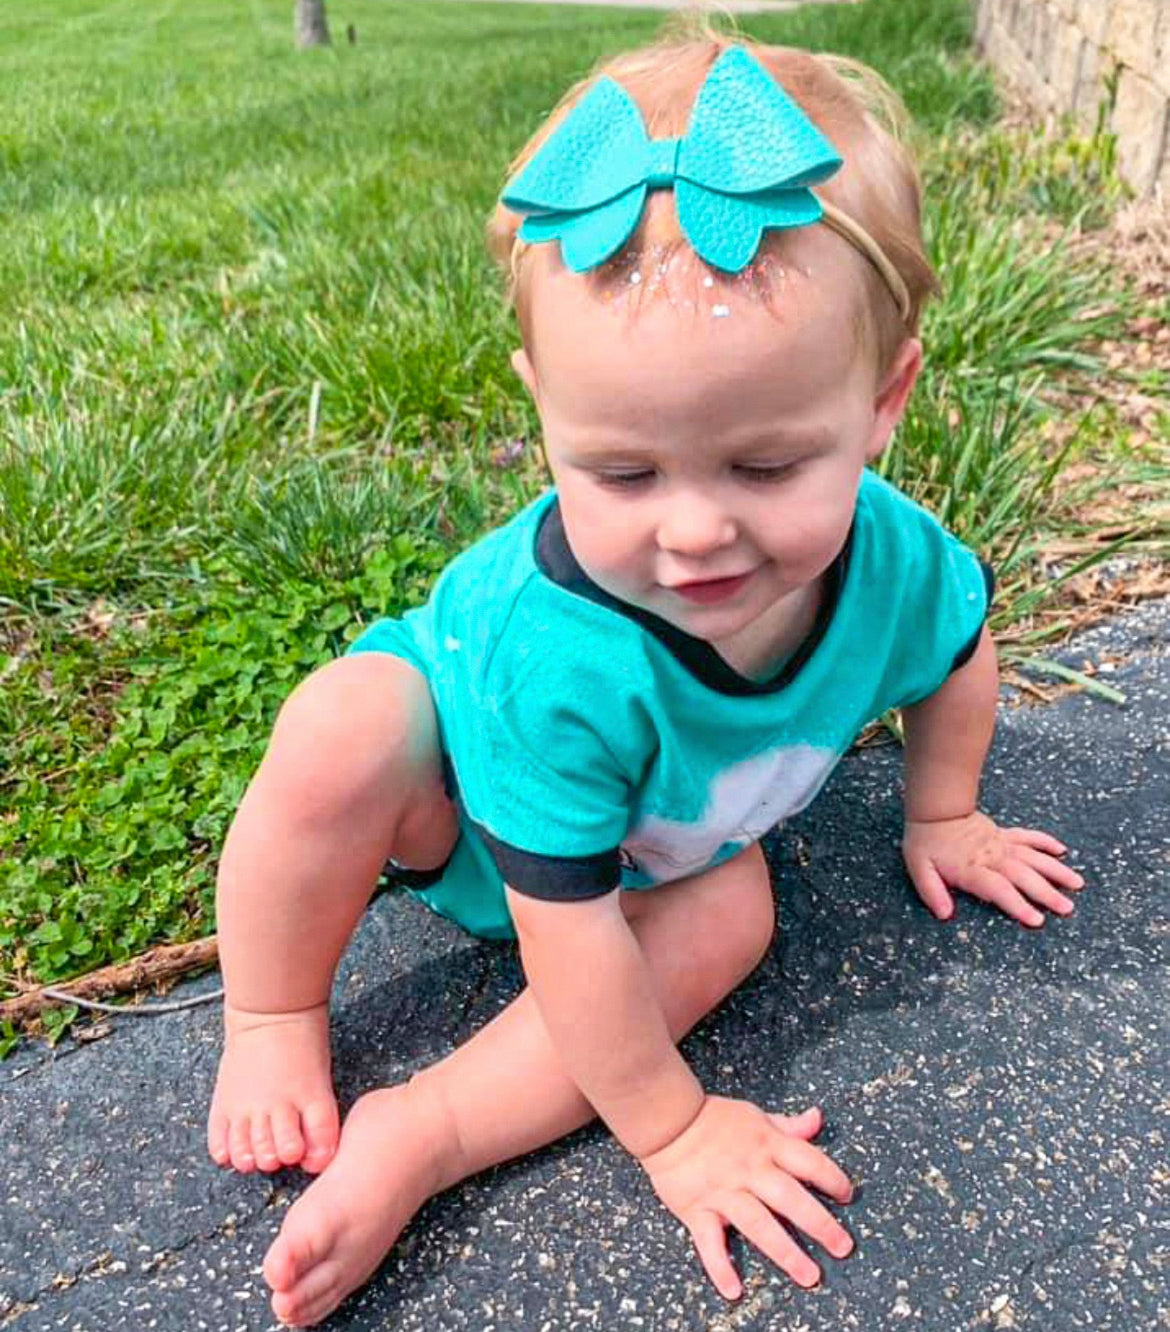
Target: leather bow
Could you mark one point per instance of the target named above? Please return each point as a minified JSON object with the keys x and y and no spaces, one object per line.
{"x":744,"y":165}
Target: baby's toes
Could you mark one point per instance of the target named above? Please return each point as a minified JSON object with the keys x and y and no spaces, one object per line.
{"x":283,"y":1264}
{"x":320,"y":1125}
{"x":217,"y":1138}
{"x":240,"y":1145}
{"x":263,"y":1143}
{"x":316,"y":1295}
{"x":300,"y":1249}
{"x":286,"y":1132}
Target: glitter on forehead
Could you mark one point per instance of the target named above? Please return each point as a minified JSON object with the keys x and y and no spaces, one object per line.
{"x":674,"y":272}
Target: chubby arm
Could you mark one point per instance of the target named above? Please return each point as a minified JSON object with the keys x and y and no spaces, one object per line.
{"x":947,"y":739}
{"x":947,"y":842}
{"x":595,"y":993}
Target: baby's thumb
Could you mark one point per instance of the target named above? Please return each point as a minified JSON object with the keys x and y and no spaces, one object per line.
{"x":932,"y":889}
{"x":805,"y":1125}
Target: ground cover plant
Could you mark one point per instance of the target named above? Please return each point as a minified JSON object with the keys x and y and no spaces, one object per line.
{"x":254,"y":387}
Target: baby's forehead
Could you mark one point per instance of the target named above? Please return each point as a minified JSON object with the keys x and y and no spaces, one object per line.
{"x":806,"y":280}
{"x":672,"y":348}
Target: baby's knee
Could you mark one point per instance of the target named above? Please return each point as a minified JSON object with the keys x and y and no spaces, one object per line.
{"x":750,"y":910}
{"x":357,"y":733}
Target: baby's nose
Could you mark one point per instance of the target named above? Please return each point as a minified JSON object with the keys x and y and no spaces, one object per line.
{"x":693,"y":525}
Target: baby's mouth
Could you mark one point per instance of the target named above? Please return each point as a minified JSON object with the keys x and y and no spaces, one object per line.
{"x":711,"y":590}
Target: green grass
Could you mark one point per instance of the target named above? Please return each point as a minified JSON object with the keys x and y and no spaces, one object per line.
{"x":254,"y":381}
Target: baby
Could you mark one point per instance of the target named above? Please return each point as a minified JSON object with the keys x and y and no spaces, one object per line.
{"x":607,"y":701}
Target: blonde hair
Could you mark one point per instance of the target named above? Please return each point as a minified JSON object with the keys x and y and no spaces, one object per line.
{"x":865,"y":120}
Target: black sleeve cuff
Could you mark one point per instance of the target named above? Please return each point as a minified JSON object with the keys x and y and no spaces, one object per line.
{"x":554,"y":878}
{"x":967,"y":651}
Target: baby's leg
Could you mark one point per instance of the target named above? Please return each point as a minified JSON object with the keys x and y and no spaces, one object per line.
{"x":352,"y":775}
{"x":503,"y":1094}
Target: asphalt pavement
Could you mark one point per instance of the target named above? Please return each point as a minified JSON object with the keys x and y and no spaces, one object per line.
{"x":1000,"y":1095}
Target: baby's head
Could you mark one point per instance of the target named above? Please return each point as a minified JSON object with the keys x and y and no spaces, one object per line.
{"x":701,"y":423}
{"x":877,"y":186}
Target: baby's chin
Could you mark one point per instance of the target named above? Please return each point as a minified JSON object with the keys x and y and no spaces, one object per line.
{"x":711,"y":621}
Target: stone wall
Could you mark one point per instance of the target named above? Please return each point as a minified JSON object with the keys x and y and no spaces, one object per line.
{"x":1062,"y":55}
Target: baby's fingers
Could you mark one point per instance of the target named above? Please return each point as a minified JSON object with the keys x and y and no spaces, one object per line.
{"x":805,"y":1125}
{"x":931,"y":888}
{"x":993,"y":887}
{"x":810,"y":1165}
{"x":1042,"y":841}
{"x":1064,"y":876}
{"x":756,"y":1224}
{"x":1037,"y":887}
{"x":796,"y":1205}
{"x":711,"y":1245}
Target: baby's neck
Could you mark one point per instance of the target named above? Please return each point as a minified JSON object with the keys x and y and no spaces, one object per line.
{"x":758,"y":651}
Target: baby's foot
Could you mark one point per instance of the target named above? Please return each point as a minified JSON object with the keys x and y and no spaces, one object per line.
{"x":395,"y":1153}
{"x":274,"y":1104}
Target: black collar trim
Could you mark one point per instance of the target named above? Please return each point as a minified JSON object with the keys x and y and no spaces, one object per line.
{"x":558,"y":563}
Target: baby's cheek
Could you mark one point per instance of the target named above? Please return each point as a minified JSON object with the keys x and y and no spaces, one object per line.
{"x":810,"y":538}
{"x":597,"y":543}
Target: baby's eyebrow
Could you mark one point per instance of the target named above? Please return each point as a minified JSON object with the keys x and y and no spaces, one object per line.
{"x":805,"y":442}
{"x":798,"y":441}
{"x":792,"y":444}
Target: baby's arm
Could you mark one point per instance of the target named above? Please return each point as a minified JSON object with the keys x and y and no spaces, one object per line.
{"x":595,"y":994}
{"x":713,"y":1161}
{"x":948,"y":843}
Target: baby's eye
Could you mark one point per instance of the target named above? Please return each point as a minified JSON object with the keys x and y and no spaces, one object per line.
{"x":623,"y":480}
{"x":772,"y":473}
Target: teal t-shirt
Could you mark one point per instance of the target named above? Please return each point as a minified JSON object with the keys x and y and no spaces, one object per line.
{"x":590,"y":744}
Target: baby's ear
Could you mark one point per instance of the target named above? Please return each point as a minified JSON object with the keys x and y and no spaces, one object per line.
{"x":522,"y":364}
{"x":892,"y":396}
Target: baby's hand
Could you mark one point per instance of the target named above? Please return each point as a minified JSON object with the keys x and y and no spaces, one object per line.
{"x":737,"y":1165}
{"x":1003,"y":866}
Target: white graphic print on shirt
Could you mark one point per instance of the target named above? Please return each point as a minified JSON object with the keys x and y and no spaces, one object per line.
{"x":746,"y":800}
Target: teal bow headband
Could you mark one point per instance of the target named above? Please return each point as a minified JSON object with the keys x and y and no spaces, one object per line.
{"x":745,"y":165}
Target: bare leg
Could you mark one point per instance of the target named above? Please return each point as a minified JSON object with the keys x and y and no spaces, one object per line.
{"x":352,"y":776}
{"x":502,"y":1094}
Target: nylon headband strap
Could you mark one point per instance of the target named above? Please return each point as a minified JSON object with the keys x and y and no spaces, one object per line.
{"x":860,"y":239}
